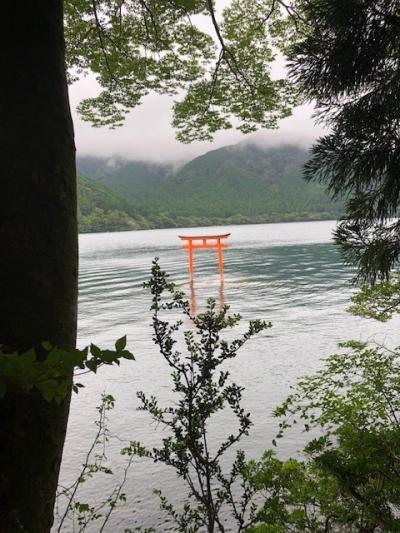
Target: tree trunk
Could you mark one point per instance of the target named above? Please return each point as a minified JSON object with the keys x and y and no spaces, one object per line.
{"x":38,"y":249}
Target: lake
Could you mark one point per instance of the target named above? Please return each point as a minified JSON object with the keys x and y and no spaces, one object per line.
{"x":290,"y":274}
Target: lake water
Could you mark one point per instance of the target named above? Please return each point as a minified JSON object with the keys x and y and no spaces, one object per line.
{"x":290,"y":274}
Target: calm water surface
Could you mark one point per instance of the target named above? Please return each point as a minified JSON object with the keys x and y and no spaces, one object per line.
{"x":289,"y":274}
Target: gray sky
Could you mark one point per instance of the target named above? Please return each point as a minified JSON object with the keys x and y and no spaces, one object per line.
{"x":147,"y":133}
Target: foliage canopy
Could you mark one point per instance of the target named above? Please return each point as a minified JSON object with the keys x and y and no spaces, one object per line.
{"x":347,"y":62}
{"x":222,"y":77}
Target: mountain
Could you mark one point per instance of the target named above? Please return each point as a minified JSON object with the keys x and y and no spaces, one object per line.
{"x":101,"y":209}
{"x":126,"y":177}
{"x":247,"y":183}
{"x":243,"y":183}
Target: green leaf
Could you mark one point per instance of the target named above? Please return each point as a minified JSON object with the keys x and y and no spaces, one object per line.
{"x":53,"y":358}
{"x":128,"y":355}
{"x":120,"y":344}
{"x":92,"y":365}
{"x":95,"y":350}
{"x":28,"y":357}
{"x":47,"y":345}
{"x":83,"y":507}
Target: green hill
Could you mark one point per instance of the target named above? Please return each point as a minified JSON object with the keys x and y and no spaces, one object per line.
{"x":129,"y":178}
{"x":236,"y":184}
{"x":245,"y":184}
{"x":101,"y":209}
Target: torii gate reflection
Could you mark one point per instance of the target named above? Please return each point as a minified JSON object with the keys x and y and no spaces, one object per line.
{"x":194,"y":242}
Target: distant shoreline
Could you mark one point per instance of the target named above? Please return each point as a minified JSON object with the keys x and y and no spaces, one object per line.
{"x":227,"y":224}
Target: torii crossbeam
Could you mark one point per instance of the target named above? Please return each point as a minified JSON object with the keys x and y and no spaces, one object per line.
{"x":194,"y":242}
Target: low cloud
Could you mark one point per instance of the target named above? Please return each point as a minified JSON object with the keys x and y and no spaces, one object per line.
{"x":148,"y":135}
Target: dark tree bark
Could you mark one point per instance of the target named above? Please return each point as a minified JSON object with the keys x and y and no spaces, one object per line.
{"x":38,"y":249}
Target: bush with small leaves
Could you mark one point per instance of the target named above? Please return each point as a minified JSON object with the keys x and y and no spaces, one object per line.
{"x":350,"y":478}
{"x":202,"y":389}
{"x":73,"y":514}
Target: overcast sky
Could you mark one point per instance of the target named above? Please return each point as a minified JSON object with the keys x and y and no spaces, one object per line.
{"x":147,"y":133}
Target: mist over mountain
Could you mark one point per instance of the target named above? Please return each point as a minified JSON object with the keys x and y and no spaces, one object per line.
{"x":243,"y":183}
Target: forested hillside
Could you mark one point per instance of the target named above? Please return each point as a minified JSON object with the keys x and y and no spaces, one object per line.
{"x":236,"y":184}
{"x":101,"y":209}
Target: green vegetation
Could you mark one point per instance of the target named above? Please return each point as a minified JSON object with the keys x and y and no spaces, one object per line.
{"x":48,"y":370}
{"x":347,"y":479}
{"x":71,"y":511}
{"x":220,"y":79}
{"x":101,"y":209}
{"x":346,"y":62}
{"x":202,"y":390}
{"x":239,"y":184}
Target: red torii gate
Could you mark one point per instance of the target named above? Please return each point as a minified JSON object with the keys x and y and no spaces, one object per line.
{"x":204,"y":241}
